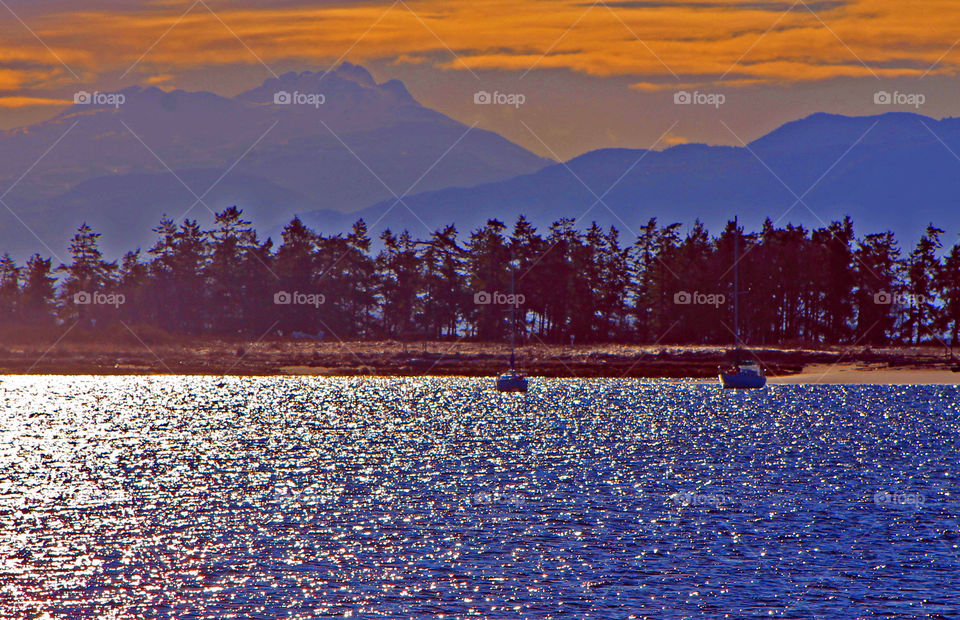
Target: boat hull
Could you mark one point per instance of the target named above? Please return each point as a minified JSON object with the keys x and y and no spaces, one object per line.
{"x":742,"y":381}
{"x":512,"y":383}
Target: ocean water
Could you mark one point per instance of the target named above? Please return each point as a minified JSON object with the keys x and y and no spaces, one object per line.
{"x":204,"y":497}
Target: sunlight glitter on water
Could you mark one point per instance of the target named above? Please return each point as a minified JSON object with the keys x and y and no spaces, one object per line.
{"x":311,"y":497}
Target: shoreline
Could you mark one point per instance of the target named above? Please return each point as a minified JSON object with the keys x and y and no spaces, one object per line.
{"x":784,"y":366}
{"x":856,"y":374}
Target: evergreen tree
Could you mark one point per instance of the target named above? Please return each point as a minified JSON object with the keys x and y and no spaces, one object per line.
{"x":948,"y":285}
{"x":132,"y":284}
{"x":441,"y":261}
{"x":694,"y":271}
{"x":876,"y":274}
{"x":922,"y":269}
{"x":87,"y":276}
{"x":176,"y":295}
{"x":360,"y":273}
{"x":38,"y":293}
{"x":526,"y":249}
{"x":837,"y":278}
{"x":613,"y":288}
{"x":799,"y":286}
{"x":399,"y":284}
{"x":9,"y":290}
{"x":296,"y":267}
{"x":240,"y":281}
{"x":488,"y":272}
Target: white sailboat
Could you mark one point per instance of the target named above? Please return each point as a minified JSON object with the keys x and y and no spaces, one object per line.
{"x":512,"y":381}
{"x":745,"y":374}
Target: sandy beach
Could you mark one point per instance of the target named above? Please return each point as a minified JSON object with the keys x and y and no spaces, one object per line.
{"x":861,"y":374}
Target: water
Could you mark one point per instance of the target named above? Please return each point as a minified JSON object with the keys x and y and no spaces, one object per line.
{"x":192,"y":497}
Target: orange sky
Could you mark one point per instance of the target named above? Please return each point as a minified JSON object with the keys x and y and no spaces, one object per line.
{"x":642,"y":47}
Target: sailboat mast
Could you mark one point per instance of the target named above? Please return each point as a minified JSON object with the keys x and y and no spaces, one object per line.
{"x":513,"y":316}
{"x":736,"y":290}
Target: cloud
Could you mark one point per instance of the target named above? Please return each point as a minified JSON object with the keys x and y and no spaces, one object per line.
{"x":655,"y":87}
{"x":153,"y":80}
{"x":674,"y":140}
{"x":29,"y":102}
{"x":686,"y":42}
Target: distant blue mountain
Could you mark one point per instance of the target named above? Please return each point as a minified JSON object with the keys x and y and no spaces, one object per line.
{"x":894,"y":171}
{"x":342,"y":154}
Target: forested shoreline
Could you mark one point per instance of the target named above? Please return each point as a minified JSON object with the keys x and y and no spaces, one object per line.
{"x":668,"y":285}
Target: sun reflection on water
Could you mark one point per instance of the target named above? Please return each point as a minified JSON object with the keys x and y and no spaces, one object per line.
{"x":304,"y":497}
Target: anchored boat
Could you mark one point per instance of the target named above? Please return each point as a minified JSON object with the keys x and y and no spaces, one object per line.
{"x":747,"y":374}
{"x":512,"y":381}
{"x":744,"y":376}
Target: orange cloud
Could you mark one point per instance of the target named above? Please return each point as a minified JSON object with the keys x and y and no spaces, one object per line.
{"x":678,"y":41}
{"x":674,"y":140}
{"x":29,"y":102}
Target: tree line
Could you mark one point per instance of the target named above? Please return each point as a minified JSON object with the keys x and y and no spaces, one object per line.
{"x":798,"y":285}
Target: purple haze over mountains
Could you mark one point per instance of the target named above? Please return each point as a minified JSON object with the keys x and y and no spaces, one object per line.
{"x":112,"y":165}
{"x":345,"y":159}
{"x":890,"y":172}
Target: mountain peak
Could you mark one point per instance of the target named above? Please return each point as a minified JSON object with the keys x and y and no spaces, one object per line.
{"x":355,"y":72}
{"x":398,"y":89}
{"x":348,"y":82}
{"x":826,"y":129}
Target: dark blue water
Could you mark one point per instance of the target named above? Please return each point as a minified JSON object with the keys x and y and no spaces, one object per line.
{"x":308,"y":498}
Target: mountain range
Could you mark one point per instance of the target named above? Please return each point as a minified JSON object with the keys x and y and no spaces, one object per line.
{"x":889,"y":172}
{"x":122,"y":167}
{"x":338,"y":146}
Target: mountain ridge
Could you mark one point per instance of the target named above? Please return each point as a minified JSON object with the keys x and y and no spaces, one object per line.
{"x":892,"y":171}
{"x":330,"y":163}
{"x":337,"y":154}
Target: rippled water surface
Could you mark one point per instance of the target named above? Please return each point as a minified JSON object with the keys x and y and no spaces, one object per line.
{"x":190,"y":497}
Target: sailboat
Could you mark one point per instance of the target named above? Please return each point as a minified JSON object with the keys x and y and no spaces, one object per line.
{"x":745,"y":374}
{"x":512,"y":381}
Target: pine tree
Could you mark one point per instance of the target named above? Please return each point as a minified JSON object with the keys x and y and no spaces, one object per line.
{"x":526,"y":248}
{"x":176,"y":293}
{"x":488,"y":272}
{"x":694,"y":271}
{"x":835,"y":244}
{"x":948,"y":286}
{"x":296,"y":266}
{"x":613,"y":287}
{"x":922,"y":268}
{"x":9,"y":290}
{"x":132,"y":284}
{"x":441,"y":261}
{"x":87,"y":276}
{"x":38,"y":293}
{"x":876,"y":273}
{"x":360,"y":272}
{"x":399,"y":284}
{"x":240,"y":280}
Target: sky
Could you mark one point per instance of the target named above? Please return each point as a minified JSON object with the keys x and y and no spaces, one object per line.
{"x":590,"y":74}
